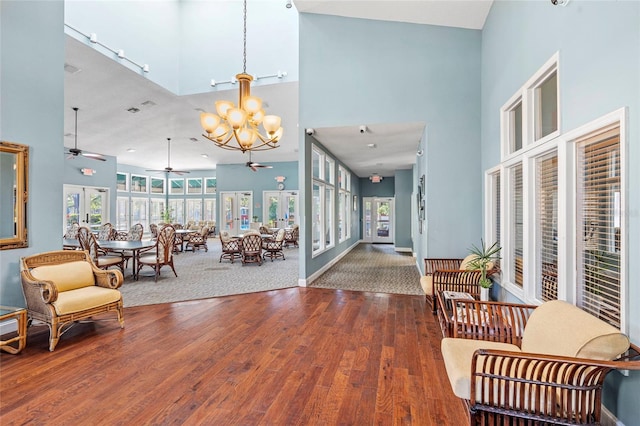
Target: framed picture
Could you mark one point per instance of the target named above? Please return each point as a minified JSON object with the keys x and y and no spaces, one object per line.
{"x":176,"y":186}
{"x":157,"y":185}
{"x":194,"y":186}
{"x":122,"y":182}
{"x":138,"y":184}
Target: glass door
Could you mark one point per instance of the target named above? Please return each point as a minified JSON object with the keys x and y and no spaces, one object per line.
{"x":280,"y":209}
{"x":377,"y":220}
{"x":87,"y":206}
{"x":236,"y":211}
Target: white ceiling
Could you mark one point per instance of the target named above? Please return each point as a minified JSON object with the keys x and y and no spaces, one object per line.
{"x":103,"y":90}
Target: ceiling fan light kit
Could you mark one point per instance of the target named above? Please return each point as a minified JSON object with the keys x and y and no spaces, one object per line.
{"x":242,"y":122}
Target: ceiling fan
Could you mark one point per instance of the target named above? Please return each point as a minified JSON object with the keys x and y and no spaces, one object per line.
{"x":74,"y":152}
{"x":255,"y":166}
{"x":169,"y":169}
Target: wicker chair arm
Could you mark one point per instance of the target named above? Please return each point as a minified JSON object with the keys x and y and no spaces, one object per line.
{"x":108,"y":278}
{"x":434,"y":264}
{"x":493,"y":321}
{"x":38,"y":291}
{"x":466,"y":281}
{"x":542,"y":387}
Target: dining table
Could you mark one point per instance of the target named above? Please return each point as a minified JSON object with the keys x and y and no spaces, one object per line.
{"x":118,"y":246}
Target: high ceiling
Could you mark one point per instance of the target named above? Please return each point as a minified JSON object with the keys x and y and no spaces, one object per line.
{"x":104,"y":91}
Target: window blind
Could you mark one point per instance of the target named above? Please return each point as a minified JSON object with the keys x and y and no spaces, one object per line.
{"x":546,"y":227}
{"x":517,"y":225}
{"x":599,"y":222}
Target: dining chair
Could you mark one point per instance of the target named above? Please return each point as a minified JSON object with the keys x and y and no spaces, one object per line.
{"x":106,"y":232}
{"x":134,"y":234}
{"x":101,"y":258}
{"x":72,"y":231}
{"x":161,"y":253}
{"x":273,"y":246}
{"x":198,"y":239}
{"x":251,"y":249}
{"x":291,"y":236}
{"x":230,"y":247}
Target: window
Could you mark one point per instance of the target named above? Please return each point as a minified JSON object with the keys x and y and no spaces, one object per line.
{"x":344,"y":204}
{"x":209,"y":212}
{"x":194,"y":186}
{"x":194,"y":210}
{"x":546,"y":227}
{"x":493,"y":199}
{"x":323,"y":201}
{"x":122,"y":213}
{"x":210,"y":185}
{"x":138,"y":183}
{"x":122,"y":182}
{"x":156,"y":210}
{"x":598,"y":220}
{"x":157,"y":185}
{"x":516,"y":209}
{"x":176,"y":186}
{"x":512,"y":127}
{"x":176,"y":207}
{"x":139,"y":211}
{"x":546,"y":106}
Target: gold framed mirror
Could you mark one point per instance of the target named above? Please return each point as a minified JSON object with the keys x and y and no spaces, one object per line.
{"x":14,"y":166}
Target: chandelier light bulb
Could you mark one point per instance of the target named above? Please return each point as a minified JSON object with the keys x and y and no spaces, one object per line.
{"x":271,"y":123}
{"x":209,"y":121}
{"x":252,"y":104}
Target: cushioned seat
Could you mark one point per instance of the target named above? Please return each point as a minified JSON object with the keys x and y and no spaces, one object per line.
{"x":61,"y":287}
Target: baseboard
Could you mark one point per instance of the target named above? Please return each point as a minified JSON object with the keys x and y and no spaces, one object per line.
{"x":608,"y":419}
{"x":404,"y":249}
{"x":9,"y":326}
{"x":305,"y":282}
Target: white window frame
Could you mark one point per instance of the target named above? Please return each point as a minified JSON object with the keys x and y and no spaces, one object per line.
{"x":170,"y":187}
{"x":126,"y":182}
{"x":145,"y":190}
{"x":164,"y":185}
{"x":326,"y":224}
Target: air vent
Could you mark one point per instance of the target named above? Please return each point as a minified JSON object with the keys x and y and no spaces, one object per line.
{"x":193,"y":139}
{"x":148,"y":103}
{"x":71,"y":69}
{"x":68,"y":135}
{"x":133,"y":110}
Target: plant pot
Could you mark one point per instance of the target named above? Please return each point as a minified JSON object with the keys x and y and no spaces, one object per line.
{"x":484,"y":294}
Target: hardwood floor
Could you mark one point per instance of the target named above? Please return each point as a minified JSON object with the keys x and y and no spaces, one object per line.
{"x":296,"y":356}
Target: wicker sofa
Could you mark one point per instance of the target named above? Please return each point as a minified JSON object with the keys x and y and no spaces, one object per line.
{"x":526,"y":365}
{"x":61,"y":287}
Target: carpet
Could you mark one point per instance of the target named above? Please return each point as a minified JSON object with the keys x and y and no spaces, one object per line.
{"x":201,"y":276}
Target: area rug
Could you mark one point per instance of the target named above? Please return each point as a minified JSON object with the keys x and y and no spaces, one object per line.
{"x":201,"y":276}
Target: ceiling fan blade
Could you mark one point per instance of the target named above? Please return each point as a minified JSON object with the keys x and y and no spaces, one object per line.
{"x":93,"y":156}
{"x":253,"y":168}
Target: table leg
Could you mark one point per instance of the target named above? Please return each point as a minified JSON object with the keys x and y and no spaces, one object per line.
{"x":21,"y":338}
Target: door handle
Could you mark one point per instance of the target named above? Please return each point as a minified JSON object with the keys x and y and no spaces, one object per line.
{"x":87,"y":220}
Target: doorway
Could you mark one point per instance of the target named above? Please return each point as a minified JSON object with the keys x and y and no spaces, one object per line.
{"x":236,"y":211}
{"x":377,"y":221}
{"x":280,"y":209}
{"x":87,"y":206}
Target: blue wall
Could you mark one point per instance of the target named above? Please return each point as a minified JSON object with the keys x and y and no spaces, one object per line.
{"x":403,"y":191}
{"x":356,"y":70}
{"x":599,"y":45}
{"x":32,"y":86}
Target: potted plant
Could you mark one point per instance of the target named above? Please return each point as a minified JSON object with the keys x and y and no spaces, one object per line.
{"x":166,"y":215}
{"x":485,"y":258}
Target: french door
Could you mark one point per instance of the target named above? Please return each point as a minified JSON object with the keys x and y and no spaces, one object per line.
{"x":236,"y":211}
{"x":87,"y":206}
{"x":280,"y":209}
{"x":377,"y":219}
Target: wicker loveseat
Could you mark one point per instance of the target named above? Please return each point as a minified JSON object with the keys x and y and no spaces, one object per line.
{"x":64,"y":286}
{"x":526,"y":365}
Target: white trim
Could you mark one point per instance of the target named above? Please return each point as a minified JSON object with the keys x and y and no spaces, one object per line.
{"x":549,"y":67}
{"x":608,"y":419}
{"x":8,"y":326}
{"x":304,"y":282}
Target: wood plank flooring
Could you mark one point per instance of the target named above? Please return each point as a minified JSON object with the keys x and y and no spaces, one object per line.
{"x":299,"y":356}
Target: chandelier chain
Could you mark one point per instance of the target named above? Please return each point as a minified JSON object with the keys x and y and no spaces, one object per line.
{"x":244,"y":56}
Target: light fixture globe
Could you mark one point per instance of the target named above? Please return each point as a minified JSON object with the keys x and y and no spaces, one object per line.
{"x":242,"y":122}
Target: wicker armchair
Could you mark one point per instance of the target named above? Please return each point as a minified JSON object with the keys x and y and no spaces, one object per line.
{"x":161,"y":254}
{"x":62,"y":287}
{"x":101,"y":258}
{"x":106,"y":232}
{"x":291,"y":236}
{"x":251,"y":249}
{"x":198,"y":239}
{"x":273,"y":246}
{"x":450,"y":275}
{"x":525,"y":365}
{"x":230,"y":247}
{"x":134,"y":234}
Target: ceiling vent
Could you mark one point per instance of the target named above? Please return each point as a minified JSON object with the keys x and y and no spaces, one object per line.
{"x":133,"y":110}
{"x":71,"y":69}
{"x":148,"y":103}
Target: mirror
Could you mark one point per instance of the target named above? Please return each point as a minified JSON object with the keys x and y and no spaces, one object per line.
{"x":14,"y":163}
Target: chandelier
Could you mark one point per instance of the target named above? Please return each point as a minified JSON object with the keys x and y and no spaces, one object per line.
{"x":242,"y":122}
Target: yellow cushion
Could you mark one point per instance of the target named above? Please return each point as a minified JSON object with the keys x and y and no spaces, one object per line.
{"x":560,"y":328}
{"x":457,"y":354}
{"x":85,"y":298}
{"x":426,"y":281}
{"x":67,"y":276}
